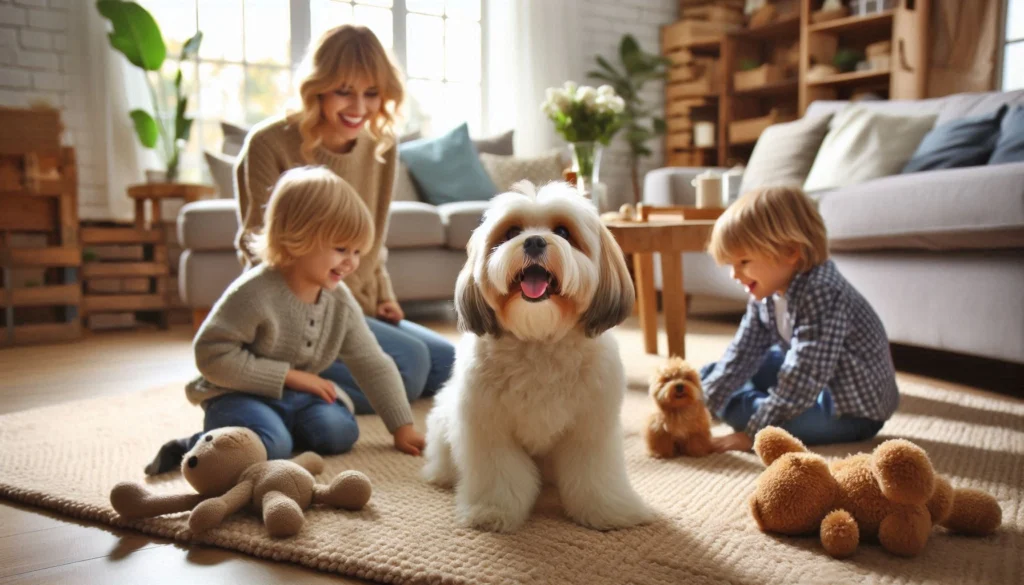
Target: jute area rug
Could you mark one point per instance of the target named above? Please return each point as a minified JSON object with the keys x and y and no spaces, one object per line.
{"x":67,"y":457}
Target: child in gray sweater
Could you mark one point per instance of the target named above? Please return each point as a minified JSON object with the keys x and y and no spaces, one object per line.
{"x":279,"y":325}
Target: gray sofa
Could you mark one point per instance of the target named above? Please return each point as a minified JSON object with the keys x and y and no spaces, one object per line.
{"x":939,"y":254}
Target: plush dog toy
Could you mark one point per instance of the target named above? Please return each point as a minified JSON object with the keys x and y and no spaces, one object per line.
{"x":891,"y":495}
{"x":682,"y":425}
{"x":228,"y":468}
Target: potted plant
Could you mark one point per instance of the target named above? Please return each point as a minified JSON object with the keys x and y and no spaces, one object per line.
{"x":587,"y":118}
{"x":638,"y":67}
{"x":137,"y":36}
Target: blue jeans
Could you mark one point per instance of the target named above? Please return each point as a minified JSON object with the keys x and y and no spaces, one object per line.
{"x":818,"y":425}
{"x":424,"y":360}
{"x":297,"y":421}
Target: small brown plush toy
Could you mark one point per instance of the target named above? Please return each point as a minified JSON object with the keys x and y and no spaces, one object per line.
{"x":682,"y":425}
{"x":891,"y":496}
{"x":228,"y":468}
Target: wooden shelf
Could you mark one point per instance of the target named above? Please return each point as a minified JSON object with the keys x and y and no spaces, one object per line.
{"x":705,"y":45}
{"x":787,"y":27}
{"x":42,"y":296}
{"x":783,"y":87}
{"x":852,"y":78}
{"x":41,"y":257}
{"x":121,"y":235}
{"x":123,"y":269}
{"x":875,"y":23}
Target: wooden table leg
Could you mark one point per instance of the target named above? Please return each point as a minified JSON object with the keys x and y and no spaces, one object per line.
{"x":643,"y":269}
{"x":673,"y":300}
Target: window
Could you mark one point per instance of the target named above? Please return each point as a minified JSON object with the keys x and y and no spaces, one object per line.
{"x":1013,"y":50}
{"x":251,"y":48}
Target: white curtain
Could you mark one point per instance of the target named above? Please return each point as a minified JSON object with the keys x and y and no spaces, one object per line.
{"x":112,"y":87}
{"x":531,"y":45}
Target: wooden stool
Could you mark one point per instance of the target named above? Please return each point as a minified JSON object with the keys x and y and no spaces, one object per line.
{"x":154,"y":193}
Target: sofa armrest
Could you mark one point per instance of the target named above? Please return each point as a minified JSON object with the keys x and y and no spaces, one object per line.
{"x":671,"y":185}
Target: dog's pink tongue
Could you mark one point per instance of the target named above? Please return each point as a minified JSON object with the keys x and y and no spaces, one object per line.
{"x":534,"y":286}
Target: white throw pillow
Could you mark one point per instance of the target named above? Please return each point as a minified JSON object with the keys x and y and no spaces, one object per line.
{"x":863,"y":145}
{"x":508,"y":170}
{"x":784,"y":153}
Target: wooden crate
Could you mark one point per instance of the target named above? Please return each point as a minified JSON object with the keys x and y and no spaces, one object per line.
{"x":732,"y":14}
{"x":766,"y":74}
{"x":687,"y":32}
{"x":748,"y":130}
{"x":130,"y":286}
{"x":690,"y":158}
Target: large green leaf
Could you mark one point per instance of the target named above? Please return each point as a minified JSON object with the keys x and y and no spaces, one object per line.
{"x":608,"y":67}
{"x":145,"y":128}
{"x":135,"y":33}
{"x":659,"y":126}
{"x":191,"y":47}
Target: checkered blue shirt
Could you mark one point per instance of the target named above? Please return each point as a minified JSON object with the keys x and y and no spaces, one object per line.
{"x":838,"y":342}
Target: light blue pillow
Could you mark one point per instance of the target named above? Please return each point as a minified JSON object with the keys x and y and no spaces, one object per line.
{"x":447,"y":168}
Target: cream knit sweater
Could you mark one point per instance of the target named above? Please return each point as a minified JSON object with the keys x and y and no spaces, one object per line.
{"x":272,"y":147}
{"x":259,"y":329}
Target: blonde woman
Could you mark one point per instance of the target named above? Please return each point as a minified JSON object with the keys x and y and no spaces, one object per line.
{"x":351,"y":93}
{"x":267,"y":340}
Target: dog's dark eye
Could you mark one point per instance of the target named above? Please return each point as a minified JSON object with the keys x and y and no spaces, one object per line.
{"x":562,"y":232}
{"x":513,"y":232}
{"x":209,"y":438}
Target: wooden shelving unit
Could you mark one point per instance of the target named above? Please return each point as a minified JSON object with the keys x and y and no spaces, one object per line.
{"x":786,"y":47}
{"x":39,"y":252}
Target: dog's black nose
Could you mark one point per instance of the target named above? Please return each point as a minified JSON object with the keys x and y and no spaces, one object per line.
{"x":534,"y":246}
{"x":680,"y":389}
{"x":192,"y":462}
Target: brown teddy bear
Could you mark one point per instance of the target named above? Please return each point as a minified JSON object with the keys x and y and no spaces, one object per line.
{"x":891,"y":496}
{"x":228,"y":468}
{"x":682,"y":425}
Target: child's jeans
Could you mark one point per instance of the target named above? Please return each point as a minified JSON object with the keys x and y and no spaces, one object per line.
{"x":817,"y":425}
{"x":297,"y":421}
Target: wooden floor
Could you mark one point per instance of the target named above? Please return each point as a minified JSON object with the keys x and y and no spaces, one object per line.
{"x":39,"y":547}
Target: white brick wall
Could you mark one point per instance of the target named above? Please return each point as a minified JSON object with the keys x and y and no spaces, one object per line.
{"x":42,"y":60}
{"x":604,"y":23}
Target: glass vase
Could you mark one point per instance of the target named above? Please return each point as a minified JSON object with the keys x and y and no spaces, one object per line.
{"x":586,"y":163}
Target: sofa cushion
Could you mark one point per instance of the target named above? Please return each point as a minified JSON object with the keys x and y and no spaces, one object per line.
{"x":208,"y":225}
{"x":447,"y":168}
{"x":965,"y":142}
{"x":950,"y":209}
{"x":222,"y":170}
{"x":414,"y":224}
{"x":946,"y":108}
{"x":507,"y":170}
{"x":203,"y":277}
{"x":234,"y":138}
{"x":1010,"y":147}
{"x":863,"y":145}
{"x":784,"y":153}
{"x":461,"y":219}
{"x":499,"y":144}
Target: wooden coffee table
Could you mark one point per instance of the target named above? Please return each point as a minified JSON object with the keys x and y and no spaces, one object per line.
{"x":670,"y":238}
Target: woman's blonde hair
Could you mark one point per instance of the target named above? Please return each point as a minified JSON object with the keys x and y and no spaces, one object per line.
{"x":771,"y":221}
{"x":339,"y":58}
{"x":311,"y":209}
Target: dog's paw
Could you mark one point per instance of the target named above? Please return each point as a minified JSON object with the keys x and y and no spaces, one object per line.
{"x":438,"y":474}
{"x":613,"y":518}
{"x":490,"y":518}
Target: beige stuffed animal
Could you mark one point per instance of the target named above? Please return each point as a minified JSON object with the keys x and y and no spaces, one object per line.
{"x":892,"y":496}
{"x":228,"y":468}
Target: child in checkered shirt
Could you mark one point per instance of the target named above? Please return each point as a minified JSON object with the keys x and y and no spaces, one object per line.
{"x":811,"y":356}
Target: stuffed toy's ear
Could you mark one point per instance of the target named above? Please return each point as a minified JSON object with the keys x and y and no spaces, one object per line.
{"x":903,"y":471}
{"x":770,"y":443}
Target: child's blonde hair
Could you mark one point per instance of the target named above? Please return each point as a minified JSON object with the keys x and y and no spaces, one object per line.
{"x":340,"y":57}
{"x":771,"y":221}
{"x":311,"y":209}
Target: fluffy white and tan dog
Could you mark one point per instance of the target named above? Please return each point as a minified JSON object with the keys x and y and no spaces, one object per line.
{"x":536,"y":379}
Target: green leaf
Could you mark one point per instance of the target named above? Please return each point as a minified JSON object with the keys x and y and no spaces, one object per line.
{"x":177,"y":84}
{"x":601,"y":76}
{"x":136,"y":35}
{"x":182,"y":125}
{"x":191,"y":47}
{"x":659,"y":126}
{"x":146,"y":128}
{"x":607,"y":67}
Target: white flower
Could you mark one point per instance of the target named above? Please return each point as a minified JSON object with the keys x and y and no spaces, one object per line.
{"x":617,"y":104}
{"x":606,"y":90}
{"x":587,"y":95}
{"x":570,"y":88}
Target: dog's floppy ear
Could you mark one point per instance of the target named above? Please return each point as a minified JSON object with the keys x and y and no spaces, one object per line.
{"x":614,"y":298}
{"x":475,"y":315}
